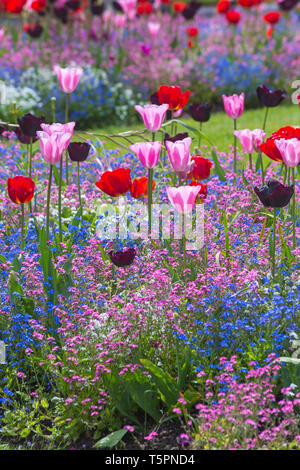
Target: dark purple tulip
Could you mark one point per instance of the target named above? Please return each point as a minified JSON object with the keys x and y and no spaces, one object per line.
{"x":189,"y":12}
{"x":24,"y":139}
{"x":33,"y":30}
{"x":117,"y":7}
{"x":200,"y":112}
{"x":154,"y":98}
{"x":274,"y":194}
{"x":176,"y":137}
{"x":78,"y":151}
{"x":97,"y":9}
{"x":29,"y":124}
{"x":73,"y":5}
{"x":2,"y":129}
{"x":62,"y":14}
{"x":122,"y":258}
{"x":287,"y":5}
{"x":270,"y":98}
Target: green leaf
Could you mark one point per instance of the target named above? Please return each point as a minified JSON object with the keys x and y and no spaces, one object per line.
{"x":218,"y":169}
{"x":103,"y":254}
{"x":121,"y":397}
{"x":3,"y":259}
{"x":142,"y":393}
{"x":25,"y":433}
{"x":184,"y":370}
{"x":44,"y":403}
{"x":290,"y":360}
{"x":166,"y":385}
{"x":111,"y":440}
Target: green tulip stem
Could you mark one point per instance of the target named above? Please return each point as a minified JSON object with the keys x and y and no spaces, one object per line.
{"x":183,"y":241}
{"x":150,"y":179}
{"x":200,"y":129}
{"x":234,"y":145}
{"x":22,"y":227}
{"x":48,"y":202}
{"x":285,"y":173}
{"x":262,"y":169}
{"x":66,"y":120}
{"x":30,"y":157}
{"x":265,"y":119}
{"x":294,"y":208}
{"x":250,"y":161}
{"x":79,"y":193}
{"x":59,"y":199}
{"x":274,"y":244}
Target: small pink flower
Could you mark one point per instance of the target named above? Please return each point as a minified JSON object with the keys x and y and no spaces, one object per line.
{"x":151,"y":436}
{"x":234,"y":105}
{"x":177,"y":411}
{"x":129,"y":428}
{"x":68,"y":77}
{"x":183,"y":198}
{"x":179,"y":154}
{"x":153,"y":28}
{"x":153,"y":115}
{"x":147,"y":152}
{"x":290,"y":151}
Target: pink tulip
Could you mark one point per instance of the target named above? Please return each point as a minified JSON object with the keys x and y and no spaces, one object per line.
{"x":68,"y":77}
{"x":147,"y":152}
{"x":234,"y":105}
{"x":245,"y":138}
{"x":258,"y":136}
{"x":2,"y":32}
{"x":153,"y":28}
{"x":290,"y":151}
{"x":179,"y":153}
{"x":120,"y":21}
{"x":153,"y":115}
{"x":58,"y":128}
{"x":53,"y":146}
{"x":177,"y":113}
{"x":129,"y":7}
{"x":183,"y":198}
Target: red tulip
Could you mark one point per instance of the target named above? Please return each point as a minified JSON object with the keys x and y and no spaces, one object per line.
{"x":272,"y":17}
{"x":202,"y":191}
{"x":13,"y":6}
{"x":200,"y":168}
{"x":116,"y":182}
{"x":233,"y":16}
{"x":192,"y":31}
{"x":179,"y":6}
{"x":173,"y":96}
{"x":144,"y":8}
{"x":20,"y":189}
{"x":139,"y":187}
{"x":223,"y":6}
{"x":269,"y":147}
{"x":246,"y":3}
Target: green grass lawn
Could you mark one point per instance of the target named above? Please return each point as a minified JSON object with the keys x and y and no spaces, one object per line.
{"x":220,"y":126}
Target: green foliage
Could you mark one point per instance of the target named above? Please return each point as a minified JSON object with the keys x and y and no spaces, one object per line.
{"x":111,"y":440}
